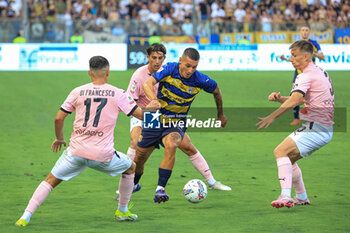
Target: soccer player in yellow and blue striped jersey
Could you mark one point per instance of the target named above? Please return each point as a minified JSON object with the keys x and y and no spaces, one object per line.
{"x":179,"y":83}
{"x":305,"y":32}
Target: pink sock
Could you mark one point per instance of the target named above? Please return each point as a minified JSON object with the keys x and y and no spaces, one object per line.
{"x":298,"y":182}
{"x":39,"y":196}
{"x":126,"y":185}
{"x":131,"y":153}
{"x":201,"y":165}
{"x":285,"y":172}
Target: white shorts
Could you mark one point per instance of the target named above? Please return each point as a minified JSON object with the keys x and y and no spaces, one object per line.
{"x":135,"y":122}
{"x":69,"y":166}
{"x":311,"y":136}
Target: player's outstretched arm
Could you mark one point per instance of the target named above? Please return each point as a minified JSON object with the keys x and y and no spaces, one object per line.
{"x":295,"y":99}
{"x":148,"y":88}
{"x":59,"y":122}
{"x":149,"y":92}
{"x":276,"y":97}
{"x":138,"y":113}
{"x":218,"y":101}
{"x":320,"y":56}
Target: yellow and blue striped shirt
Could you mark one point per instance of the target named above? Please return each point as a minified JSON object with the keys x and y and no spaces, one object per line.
{"x":176,"y":93}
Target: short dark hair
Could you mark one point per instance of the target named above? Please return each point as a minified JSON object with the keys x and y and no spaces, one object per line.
{"x":191,"y":53}
{"x":304,"y":25}
{"x":303,"y":46}
{"x":156,"y":47}
{"x":98,"y":63}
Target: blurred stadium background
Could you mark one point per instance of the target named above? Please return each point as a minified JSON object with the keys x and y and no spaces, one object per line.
{"x":124,"y":27}
{"x":209,"y":21}
{"x":120,"y":30}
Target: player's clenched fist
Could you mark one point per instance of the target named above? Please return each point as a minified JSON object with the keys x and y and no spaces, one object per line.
{"x":154,"y":105}
{"x":274,"y":96}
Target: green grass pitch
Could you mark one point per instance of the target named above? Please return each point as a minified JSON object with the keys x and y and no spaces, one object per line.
{"x":243,"y":160}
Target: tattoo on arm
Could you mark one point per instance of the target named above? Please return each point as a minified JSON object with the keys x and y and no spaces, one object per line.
{"x":218,"y":100}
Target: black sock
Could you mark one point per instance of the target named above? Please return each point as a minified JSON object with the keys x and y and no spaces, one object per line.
{"x":164,"y":175}
{"x":137,"y":178}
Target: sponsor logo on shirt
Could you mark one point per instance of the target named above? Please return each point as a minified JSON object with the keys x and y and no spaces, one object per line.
{"x":133,"y":89}
{"x":131,"y":100}
{"x":89,"y":132}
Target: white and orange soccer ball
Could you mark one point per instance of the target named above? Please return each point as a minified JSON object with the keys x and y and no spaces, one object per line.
{"x":195,"y":191}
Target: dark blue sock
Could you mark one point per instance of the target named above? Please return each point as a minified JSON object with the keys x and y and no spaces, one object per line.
{"x":296,"y":112}
{"x":137,"y":177}
{"x":164,"y":175}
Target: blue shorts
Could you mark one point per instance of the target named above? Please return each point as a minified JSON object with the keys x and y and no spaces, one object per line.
{"x":153,"y":137}
{"x":295,"y":75}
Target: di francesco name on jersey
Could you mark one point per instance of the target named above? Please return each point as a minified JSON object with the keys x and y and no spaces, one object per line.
{"x":89,"y":92}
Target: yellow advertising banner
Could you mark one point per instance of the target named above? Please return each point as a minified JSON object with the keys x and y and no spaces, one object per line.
{"x":175,"y":39}
{"x":273,"y":37}
{"x":320,"y":37}
{"x":138,"y":40}
{"x":233,"y":38}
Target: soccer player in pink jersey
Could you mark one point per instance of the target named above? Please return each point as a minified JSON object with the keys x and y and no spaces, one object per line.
{"x":156,"y":55}
{"x":313,"y":87}
{"x":96,"y":105}
{"x":304,"y":33}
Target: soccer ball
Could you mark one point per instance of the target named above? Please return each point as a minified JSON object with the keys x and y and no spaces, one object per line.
{"x":195,"y":191}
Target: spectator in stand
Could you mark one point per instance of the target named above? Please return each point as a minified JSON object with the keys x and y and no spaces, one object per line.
{"x":214,"y":6}
{"x":178,"y":14}
{"x":114,"y":15}
{"x":218,"y":14}
{"x":118,"y":30}
{"x":244,"y":41}
{"x":77,"y":7}
{"x":134,"y":8}
{"x":16,"y":6}
{"x":188,"y":8}
{"x":10,"y":12}
{"x":239,"y":14}
{"x":204,"y":7}
{"x":277,"y":21}
{"x":154,"y":39}
{"x":248,"y":20}
{"x":187,"y":27}
{"x":266,"y":22}
{"x":346,"y":9}
{"x":154,"y":15}
{"x":284,"y":14}
{"x":61,"y":8}
{"x":51,"y":12}
{"x":124,"y":8}
{"x":163,"y":9}
{"x":143,"y":13}
{"x":166,"y":25}
{"x":3,"y":6}
{"x":229,"y":10}
{"x":77,"y":38}
{"x":19,"y":39}
{"x":331,"y":14}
